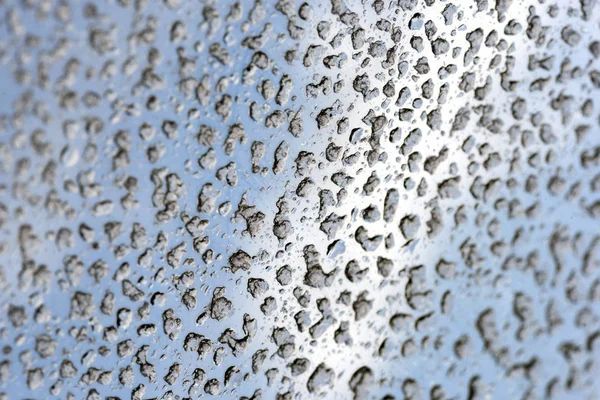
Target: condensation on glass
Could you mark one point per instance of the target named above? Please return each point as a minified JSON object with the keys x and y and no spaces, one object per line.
{"x":388,"y":199}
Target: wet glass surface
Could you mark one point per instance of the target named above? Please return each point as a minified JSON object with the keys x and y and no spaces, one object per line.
{"x":296,"y":200}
